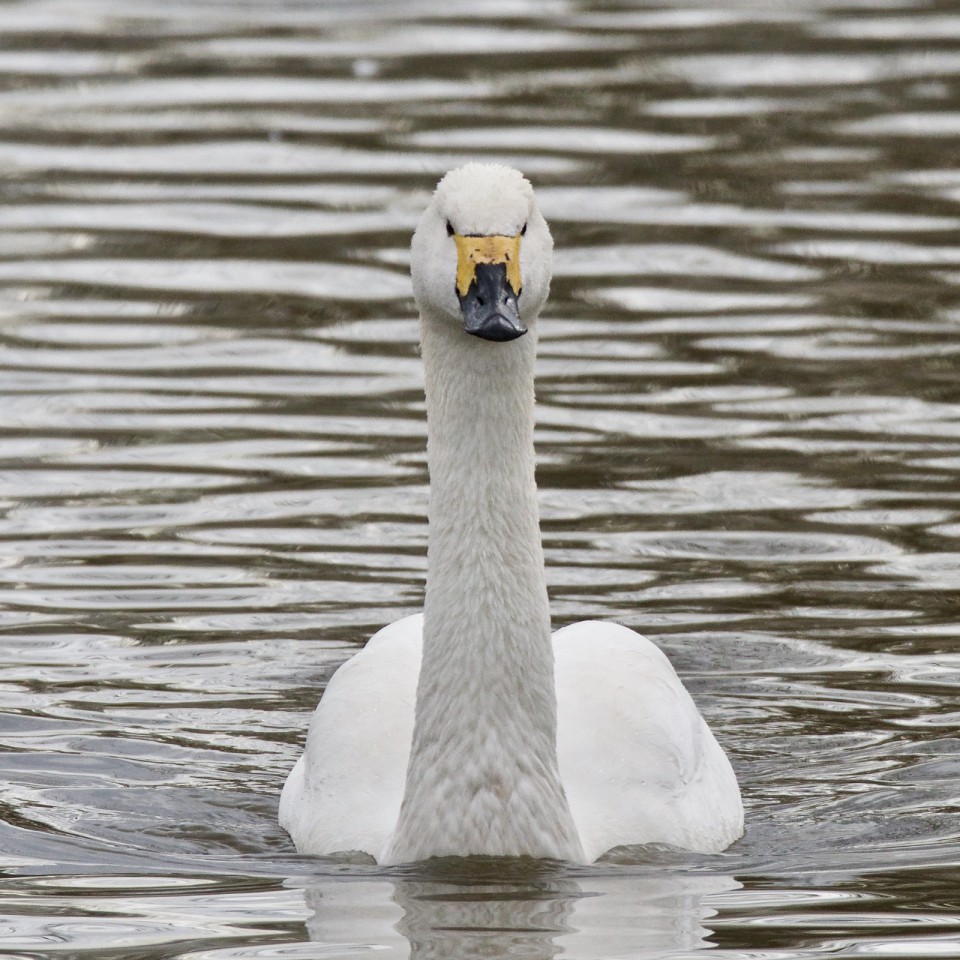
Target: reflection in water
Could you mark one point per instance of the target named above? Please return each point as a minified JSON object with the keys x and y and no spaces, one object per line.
{"x":534,"y":911}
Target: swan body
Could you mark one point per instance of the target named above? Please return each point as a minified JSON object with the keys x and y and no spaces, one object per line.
{"x":470,"y":729}
{"x":636,"y":760}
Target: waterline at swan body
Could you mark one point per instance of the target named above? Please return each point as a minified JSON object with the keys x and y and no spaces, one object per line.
{"x":469,"y":729}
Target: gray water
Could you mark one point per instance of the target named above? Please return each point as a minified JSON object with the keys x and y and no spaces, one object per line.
{"x":212,"y":474}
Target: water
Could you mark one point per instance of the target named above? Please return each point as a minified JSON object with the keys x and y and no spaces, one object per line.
{"x":212,"y":475}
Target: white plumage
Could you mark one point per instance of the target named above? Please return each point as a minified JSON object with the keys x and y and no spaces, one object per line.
{"x":508,"y":741}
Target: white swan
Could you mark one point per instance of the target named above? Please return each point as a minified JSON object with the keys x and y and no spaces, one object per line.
{"x":468,"y":729}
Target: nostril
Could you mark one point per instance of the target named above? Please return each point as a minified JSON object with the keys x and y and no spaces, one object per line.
{"x":480,"y":301}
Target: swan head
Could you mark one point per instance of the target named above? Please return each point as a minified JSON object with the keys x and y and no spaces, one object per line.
{"x":482,"y":254}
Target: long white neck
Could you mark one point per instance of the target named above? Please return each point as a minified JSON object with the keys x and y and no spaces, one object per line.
{"x":483,"y":775}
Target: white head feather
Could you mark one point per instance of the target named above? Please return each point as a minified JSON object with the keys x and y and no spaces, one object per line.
{"x":480,"y":199}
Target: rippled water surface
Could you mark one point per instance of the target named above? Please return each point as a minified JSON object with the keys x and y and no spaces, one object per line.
{"x":212,"y":473}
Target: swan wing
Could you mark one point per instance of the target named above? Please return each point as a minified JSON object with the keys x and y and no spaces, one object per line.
{"x":344,"y":793}
{"x":637,"y":760}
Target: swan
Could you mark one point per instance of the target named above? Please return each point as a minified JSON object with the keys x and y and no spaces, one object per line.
{"x":468,"y":729}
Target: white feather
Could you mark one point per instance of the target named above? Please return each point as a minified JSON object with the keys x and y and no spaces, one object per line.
{"x":507,"y":742}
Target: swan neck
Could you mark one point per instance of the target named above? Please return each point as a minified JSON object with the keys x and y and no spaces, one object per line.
{"x":483,"y":776}
{"x":484,"y":555}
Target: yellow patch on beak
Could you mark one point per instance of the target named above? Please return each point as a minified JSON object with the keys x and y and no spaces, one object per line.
{"x":493,"y":249}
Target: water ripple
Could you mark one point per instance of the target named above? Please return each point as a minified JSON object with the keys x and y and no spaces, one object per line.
{"x":213,"y":480}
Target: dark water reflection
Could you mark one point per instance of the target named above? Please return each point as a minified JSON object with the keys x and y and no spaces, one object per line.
{"x":212,"y":477}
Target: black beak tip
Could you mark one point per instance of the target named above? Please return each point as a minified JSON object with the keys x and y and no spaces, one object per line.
{"x":498,"y":328}
{"x":489,"y":308}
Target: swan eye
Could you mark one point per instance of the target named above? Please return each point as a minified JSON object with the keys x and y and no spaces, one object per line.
{"x":523,"y":232}
{"x":450,"y":230}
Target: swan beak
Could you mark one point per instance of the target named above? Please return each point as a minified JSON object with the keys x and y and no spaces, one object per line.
{"x":488,"y":286}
